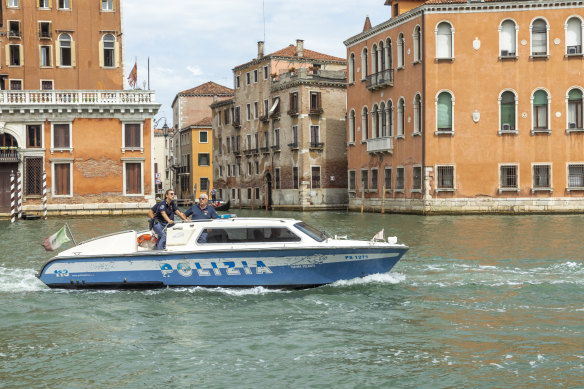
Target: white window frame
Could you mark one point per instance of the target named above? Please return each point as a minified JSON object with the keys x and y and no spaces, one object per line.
{"x":364,"y":184}
{"x":351,"y":126}
{"x":351,"y":68}
{"x":516,"y":130}
{"x":549,"y":188}
{"x":61,"y":149}
{"x":403,"y":170}
{"x":354,"y":189}
{"x":237,"y":81}
{"x":125,"y":189}
{"x":401,"y":118}
{"x":266,"y":72}
{"x":452,"y":101}
{"x":510,"y":54}
{"x":12,"y":4}
{"x":371,"y":188}
{"x":418,"y":112}
{"x":124,"y":148}
{"x":438,"y":188}
{"x":364,"y":124}
{"x":567,"y":98}
{"x":66,"y":6}
{"x":401,"y":51}
{"x":547,"y":130}
{"x":45,"y":80}
{"x":390,"y":169}
{"x":578,"y":40}
{"x":547,"y":38}
{"x":51,"y":62}
{"x":518,"y":181}
{"x":417,"y":190}
{"x":47,"y":4}
{"x":200,"y":133}
{"x":568,"y":187}
{"x":364,"y":63}
{"x":61,"y":161}
{"x":450,"y":44}
{"x":417,"y":39}
{"x":109,"y":5}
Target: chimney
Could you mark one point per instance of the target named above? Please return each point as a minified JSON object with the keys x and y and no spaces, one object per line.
{"x":299,"y":48}
{"x":260,"y":49}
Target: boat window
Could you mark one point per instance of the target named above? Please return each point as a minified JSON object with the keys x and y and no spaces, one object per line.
{"x":314,"y":233}
{"x":249,"y":235}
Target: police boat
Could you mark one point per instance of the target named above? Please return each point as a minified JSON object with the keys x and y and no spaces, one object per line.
{"x":234,"y":252}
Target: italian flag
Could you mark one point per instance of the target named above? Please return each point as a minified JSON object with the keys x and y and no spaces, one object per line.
{"x":56,"y":240}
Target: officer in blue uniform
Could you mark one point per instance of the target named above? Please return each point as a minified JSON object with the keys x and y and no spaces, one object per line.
{"x":162,"y":214}
{"x":202,"y":211}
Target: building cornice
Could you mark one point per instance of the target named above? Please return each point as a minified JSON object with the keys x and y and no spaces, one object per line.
{"x":467,"y":7}
{"x":270,"y":57}
{"x":309,"y":82}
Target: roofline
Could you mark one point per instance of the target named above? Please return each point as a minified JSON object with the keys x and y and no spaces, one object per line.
{"x":269,"y":57}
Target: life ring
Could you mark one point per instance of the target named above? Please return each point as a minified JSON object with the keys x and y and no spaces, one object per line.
{"x":147,"y":239}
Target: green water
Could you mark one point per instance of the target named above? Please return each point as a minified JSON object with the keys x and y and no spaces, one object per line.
{"x":478,"y":301}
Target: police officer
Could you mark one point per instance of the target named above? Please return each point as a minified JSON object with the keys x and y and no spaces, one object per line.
{"x":163,"y":214}
{"x":202,"y":211}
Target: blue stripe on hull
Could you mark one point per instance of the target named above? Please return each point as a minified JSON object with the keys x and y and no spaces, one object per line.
{"x":295,"y":270}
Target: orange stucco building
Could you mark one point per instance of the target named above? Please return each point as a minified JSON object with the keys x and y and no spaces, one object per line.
{"x":464,"y":106}
{"x":63,"y":111}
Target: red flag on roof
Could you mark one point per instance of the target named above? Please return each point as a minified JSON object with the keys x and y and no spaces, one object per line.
{"x":133,"y":77}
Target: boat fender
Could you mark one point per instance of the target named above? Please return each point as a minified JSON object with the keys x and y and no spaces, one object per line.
{"x":147,"y":241}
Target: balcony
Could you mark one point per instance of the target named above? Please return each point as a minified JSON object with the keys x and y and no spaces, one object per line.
{"x":293,"y":112}
{"x":380,"y":80}
{"x":265,"y":150}
{"x":276,"y":148}
{"x":236,"y":124}
{"x":293,"y":145}
{"x":14,"y":34}
{"x":83,"y":97}
{"x":265,"y":118}
{"x":45,"y":35}
{"x":315,"y":111}
{"x":316,"y":145}
{"x":380,"y":145}
{"x":9,"y":154}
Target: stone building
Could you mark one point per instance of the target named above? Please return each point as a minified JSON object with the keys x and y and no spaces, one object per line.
{"x":280,"y":142}
{"x":63,"y":110}
{"x":456,"y":106}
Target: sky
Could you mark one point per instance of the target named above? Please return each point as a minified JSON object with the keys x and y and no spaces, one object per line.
{"x":190,"y":42}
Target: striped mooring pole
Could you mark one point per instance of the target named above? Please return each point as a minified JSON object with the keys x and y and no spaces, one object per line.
{"x":12,"y":197}
{"x":44,"y":194}
{"x":19,"y":194}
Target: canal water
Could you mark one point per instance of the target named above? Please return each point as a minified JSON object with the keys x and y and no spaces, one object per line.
{"x":478,"y":301}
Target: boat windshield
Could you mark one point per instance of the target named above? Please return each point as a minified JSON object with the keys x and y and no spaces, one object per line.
{"x":314,"y":233}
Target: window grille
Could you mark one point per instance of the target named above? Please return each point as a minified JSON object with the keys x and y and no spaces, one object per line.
{"x":541,"y":176}
{"x":33,"y":170}
{"x":576,"y":176}
{"x":509,"y":177}
{"x":446,"y":177}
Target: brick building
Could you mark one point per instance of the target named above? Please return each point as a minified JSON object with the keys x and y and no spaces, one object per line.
{"x":280,"y":142}
{"x":63,"y":110}
{"x":467,"y":106}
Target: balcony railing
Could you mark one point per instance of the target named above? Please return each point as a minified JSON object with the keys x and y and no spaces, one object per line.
{"x":84,"y":97}
{"x":315,"y":111}
{"x":9,"y":154}
{"x":380,"y":145}
{"x":381,"y":79}
{"x":316,"y":145}
{"x":293,"y":145}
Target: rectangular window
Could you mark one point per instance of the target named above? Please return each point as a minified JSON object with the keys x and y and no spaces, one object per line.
{"x":374,"y":177}
{"x":277,"y":170}
{"x":255,"y":75}
{"x":417,"y":178}
{"x":228,"y":141}
{"x":445,"y":177}
{"x":226,"y":116}
{"x":315,"y":175}
{"x":204,"y":159}
{"x":64,"y":4}
{"x":400,"y":178}
{"x":33,"y":136}
{"x":45,"y":56}
{"x":45,"y":30}
{"x":61,"y":136}
{"x":365,"y":179}
{"x":541,"y":176}
{"x":249,"y":170}
{"x":46,"y":84}
{"x":256,"y":167}
{"x":14,"y":51}
{"x":314,"y":136}
{"x":387,"y":179}
{"x":315,"y":104}
{"x":132,"y":136}
{"x":13,"y":3}
{"x":509,"y":177}
{"x":14,"y":29}
{"x":43,"y":3}
{"x":295,"y":177}
{"x":265,"y":72}
{"x":33,"y":175}
{"x":295,"y":135}
{"x":249,"y":193}
{"x":352,"y":180}
{"x":576,"y":176}
{"x":248,"y":111}
{"x":256,"y":110}
{"x":266,"y":107}
{"x":107,"y":5}
{"x":277,"y":138}
{"x":247,"y":78}
{"x":62,"y":179}
{"x":15,"y":84}
{"x":293,"y":103}
{"x":257,"y":193}
{"x":237,"y":81}
{"x":236,"y":116}
{"x":133,"y":178}
{"x":203,"y":137}
{"x":204,"y":181}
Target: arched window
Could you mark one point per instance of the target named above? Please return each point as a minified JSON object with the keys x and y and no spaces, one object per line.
{"x":389,"y":112}
{"x":352,"y":67}
{"x":381,"y":57}
{"x":508,"y":39}
{"x":574,"y":36}
{"x":65,"y":50}
{"x":374,"y":59}
{"x":382,"y":120}
{"x":400,"y":51}
{"x":575,"y":109}
{"x":401,"y":123}
{"x":417,"y":44}
{"x":388,"y":54}
{"x":540,"y":110}
{"x":444,"y":41}
{"x":109,"y":58}
{"x":444,"y":112}
{"x":507,"y":109}
{"x":365,"y":123}
{"x":352,"y":126}
{"x":374,"y":121}
{"x":364,"y":60}
{"x":417,"y":114}
{"x":539,"y":37}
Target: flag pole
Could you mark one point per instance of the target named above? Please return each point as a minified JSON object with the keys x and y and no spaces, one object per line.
{"x":70,"y":233}
{"x":148,"y":73}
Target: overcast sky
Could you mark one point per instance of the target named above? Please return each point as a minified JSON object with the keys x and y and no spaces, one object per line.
{"x":190,"y":42}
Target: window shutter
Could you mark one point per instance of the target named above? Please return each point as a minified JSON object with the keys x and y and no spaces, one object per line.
{"x":318,"y":101}
{"x":57,"y":53}
{"x":444,"y":111}
{"x":101,"y":61}
{"x":7,"y":47}
{"x":73,"y":59}
{"x":117,"y":54}
{"x":50,"y":3}
{"x":38,"y":3}
{"x":114,"y":5}
{"x":540,"y":98}
{"x":21,"y":51}
{"x":575,"y":94}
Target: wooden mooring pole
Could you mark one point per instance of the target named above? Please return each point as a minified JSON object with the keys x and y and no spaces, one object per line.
{"x":383,"y":200}
{"x":12,"y":196}
{"x":44,"y":195}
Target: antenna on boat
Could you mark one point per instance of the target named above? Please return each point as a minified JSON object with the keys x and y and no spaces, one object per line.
{"x":71,"y":234}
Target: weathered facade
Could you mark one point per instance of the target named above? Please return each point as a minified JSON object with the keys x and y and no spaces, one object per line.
{"x":280,"y":142}
{"x":63,"y":111}
{"x":468,"y":107}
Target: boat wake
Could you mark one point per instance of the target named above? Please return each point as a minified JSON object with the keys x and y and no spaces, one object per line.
{"x":380,"y":278}
{"x":19,"y":280}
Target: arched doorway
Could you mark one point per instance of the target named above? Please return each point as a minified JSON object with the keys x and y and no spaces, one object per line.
{"x":9,"y":158}
{"x":268,"y":182}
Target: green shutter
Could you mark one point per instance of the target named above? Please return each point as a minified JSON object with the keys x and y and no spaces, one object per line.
{"x":444,"y":111}
{"x":540,"y":98}
{"x":575,"y":94}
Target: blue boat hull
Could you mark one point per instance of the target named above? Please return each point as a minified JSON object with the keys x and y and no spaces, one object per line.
{"x":288,"y":268}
